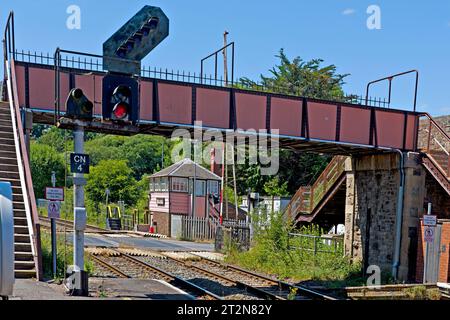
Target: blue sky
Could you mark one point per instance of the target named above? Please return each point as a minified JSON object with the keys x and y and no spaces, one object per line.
{"x":413,"y":35}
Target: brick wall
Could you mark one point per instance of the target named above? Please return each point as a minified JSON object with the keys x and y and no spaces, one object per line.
{"x":444,"y":267}
{"x":162,"y":220}
{"x":444,"y":260}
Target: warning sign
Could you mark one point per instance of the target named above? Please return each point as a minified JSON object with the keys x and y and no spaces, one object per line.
{"x":428,"y":234}
{"x":54,"y":209}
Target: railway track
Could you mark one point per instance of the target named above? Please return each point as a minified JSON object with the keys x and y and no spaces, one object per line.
{"x":126,"y":266}
{"x":274,"y":289}
{"x":45,"y":222}
{"x":223,"y":281}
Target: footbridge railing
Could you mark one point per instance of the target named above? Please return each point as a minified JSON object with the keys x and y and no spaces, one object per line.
{"x":307,"y":199}
{"x":32,"y":214}
{"x":434,"y":142}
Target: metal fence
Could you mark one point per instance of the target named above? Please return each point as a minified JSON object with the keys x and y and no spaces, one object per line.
{"x":94,"y":63}
{"x":232,"y":236}
{"x":329,"y":244}
{"x":199,"y":228}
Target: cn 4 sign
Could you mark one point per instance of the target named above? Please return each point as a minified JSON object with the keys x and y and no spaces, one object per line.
{"x":79,"y":163}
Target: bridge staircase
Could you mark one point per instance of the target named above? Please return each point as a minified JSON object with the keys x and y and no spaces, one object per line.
{"x":15,"y":168}
{"x":434,"y":144}
{"x":25,"y":265}
{"x":309,"y":200}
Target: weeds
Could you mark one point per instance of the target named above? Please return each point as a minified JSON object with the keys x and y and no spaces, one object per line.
{"x":270,"y":253}
{"x":64,"y":256}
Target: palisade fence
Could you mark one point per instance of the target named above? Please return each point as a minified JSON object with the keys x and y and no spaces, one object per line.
{"x":198,"y":228}
{"x":329,"y":244}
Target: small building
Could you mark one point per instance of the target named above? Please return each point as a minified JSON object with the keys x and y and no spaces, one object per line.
{"x":264,"y":203}
{"x":171,"y":194}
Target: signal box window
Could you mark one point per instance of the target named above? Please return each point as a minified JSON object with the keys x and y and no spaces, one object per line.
{"x":164,"y":184}
{"x":179,"y":185}
{"x":157,"y":184}
{"x":200,"y":188}
{"x":213,"y":187}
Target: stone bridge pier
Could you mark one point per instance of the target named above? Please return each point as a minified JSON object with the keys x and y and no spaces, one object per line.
{"x":373,"y":196}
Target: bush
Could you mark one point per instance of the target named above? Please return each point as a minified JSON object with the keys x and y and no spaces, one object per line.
{"x":270,"y":253}
{"x":64,"y":256}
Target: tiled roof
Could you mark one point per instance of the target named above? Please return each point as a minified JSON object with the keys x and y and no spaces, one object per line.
{"x":185,"y":169}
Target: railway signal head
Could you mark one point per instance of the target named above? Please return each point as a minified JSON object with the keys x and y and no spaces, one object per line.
{"x":125,"y":49}
{"x":120,"y":99}
{"x":78,"y":105}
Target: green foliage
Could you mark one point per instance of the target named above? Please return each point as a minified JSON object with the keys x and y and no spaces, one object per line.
{"x":142,"y":152}
{"x":422,"y":293}
{"x":54,"y":137}
{"x":302,"y":78}
{"x":44,"y":160}
{"x":271,"y":253}
{"x":64,"y":256}
{"x":116,"y":176}
{"x":274,"y":188}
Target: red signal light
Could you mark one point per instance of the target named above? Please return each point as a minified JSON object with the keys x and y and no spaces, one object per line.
{"x":120,"y":111}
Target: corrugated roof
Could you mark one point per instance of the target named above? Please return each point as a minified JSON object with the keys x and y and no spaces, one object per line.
{"x":185,"y":169}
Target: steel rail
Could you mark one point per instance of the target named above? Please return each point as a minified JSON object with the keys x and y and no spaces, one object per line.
{"x":281,"y":284}
{"x":68,"y":223}
{"x":172,"y":278}
{"x":108,"y":266}
{"x":241,"y":285}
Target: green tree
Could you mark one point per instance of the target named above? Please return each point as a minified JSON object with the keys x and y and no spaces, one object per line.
{"x":302,"y":78}
{"x":55,"y":138}
{"x":294,"y":77}
{"x":116,"y":176}
{"x":44,"y":160}
{"x":143,"y":152}
{"x":274,"y":188}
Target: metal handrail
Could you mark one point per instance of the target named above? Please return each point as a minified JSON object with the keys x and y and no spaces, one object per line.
{"x":24,"y":172}
{"x":215,"y":62}
{"x":430,"y":137}
{"x":390,"y":78}
{"x":20,"y":146}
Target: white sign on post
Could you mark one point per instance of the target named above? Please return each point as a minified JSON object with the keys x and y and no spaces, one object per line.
{"x":54,"y":194}
{"x":429,"y":220}
{"x":428,"y":234}
{"x":54,"y":210}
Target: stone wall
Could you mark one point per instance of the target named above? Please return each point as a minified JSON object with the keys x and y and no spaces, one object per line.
{"x":371,"y":207}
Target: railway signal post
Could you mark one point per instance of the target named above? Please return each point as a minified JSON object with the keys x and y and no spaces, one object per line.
{"x":79,"y":275}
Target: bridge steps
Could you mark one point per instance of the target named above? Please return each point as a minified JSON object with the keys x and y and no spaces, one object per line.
{"x":24,"y":264}
{"x":309,"y":199}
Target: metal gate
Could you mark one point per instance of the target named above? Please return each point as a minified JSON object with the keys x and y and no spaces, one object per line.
{"x":175,"y":226}
{"x":431,"y":274}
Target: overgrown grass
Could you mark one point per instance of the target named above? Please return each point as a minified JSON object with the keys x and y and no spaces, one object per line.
{"x":270,"y":254}
{"x":422,"y":293}
{"x":64,"y":256}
